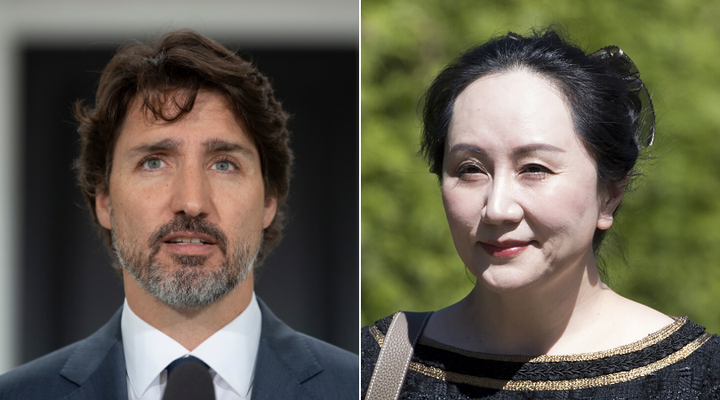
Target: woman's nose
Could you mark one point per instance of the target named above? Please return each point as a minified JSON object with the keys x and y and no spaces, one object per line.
{"x":501,"y":205}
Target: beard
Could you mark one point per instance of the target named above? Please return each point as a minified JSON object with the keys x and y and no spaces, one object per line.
{"x":185,"y":284}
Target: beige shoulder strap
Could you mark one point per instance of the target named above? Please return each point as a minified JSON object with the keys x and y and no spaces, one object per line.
{"x":395,"y":355}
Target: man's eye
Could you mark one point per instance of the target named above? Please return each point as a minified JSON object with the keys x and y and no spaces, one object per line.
{"x":153,"y":163}
{"x":224,"y":166}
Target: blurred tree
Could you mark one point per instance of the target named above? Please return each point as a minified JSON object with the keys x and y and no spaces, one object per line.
{"x":669,"y":225}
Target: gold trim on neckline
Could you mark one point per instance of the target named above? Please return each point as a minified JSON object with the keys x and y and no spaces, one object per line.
{"x":379,"y":337}
{"x":573,"y":384}
{"x":648,"y":341}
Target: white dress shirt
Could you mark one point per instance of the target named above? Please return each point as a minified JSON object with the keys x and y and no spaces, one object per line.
{"x":230,"y":353}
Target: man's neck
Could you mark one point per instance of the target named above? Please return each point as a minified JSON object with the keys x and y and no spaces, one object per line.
{"x":188,"y":327}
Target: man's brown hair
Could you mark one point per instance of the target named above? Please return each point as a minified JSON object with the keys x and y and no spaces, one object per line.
{"x":166,"y":76}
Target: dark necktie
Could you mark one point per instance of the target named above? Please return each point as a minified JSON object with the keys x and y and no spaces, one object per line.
{"x":192,"y":381}
{"x":184,"y":360}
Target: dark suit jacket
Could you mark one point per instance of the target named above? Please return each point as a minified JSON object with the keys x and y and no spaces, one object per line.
{"x":289,"y":365}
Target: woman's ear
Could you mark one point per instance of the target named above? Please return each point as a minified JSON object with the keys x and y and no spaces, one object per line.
{"x":609,"y":202}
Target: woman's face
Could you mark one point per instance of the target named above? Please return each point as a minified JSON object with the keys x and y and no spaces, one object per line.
{"x":520,"y":190}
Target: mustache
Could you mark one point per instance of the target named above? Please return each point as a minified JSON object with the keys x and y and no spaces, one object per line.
{"x":186,"y":223}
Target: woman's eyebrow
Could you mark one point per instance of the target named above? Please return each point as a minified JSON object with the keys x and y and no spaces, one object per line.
{"x":465,"y":147}
{"x":530,"y":148}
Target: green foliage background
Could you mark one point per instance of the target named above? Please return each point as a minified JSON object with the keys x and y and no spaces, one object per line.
{"x":669,"y":226}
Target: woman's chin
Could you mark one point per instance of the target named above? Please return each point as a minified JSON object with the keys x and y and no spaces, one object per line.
{"x":506,"y":280}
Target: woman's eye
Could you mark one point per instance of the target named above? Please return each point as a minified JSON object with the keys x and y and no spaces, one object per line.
{"x":153,"y":163}
{"x":469,"y":169}
{"x":536,"y":169}
{"x":224,"y":166}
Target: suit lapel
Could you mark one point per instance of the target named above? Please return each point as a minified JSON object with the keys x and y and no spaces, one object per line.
{"x":284,"y":361}
{"x":98,"y":365}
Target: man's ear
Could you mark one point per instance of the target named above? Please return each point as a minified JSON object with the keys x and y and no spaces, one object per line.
{"x":269,"y":211}
{"x":103,"y":209}
{"x":609,"y":202}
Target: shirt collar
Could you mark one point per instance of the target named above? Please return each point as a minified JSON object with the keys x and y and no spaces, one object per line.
{"x":230,"y":352}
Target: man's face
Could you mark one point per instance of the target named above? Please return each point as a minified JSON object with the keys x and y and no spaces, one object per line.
{"x":186,"y":203}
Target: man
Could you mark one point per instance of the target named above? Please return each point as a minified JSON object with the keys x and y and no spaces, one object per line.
{"x":185,"y":167}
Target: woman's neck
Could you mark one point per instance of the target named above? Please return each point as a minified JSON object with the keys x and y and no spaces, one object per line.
{"x":532,"y":321}
{"x":572,"y":313}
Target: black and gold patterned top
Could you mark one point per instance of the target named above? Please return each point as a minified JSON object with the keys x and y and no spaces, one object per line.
{"x":680,"y":361}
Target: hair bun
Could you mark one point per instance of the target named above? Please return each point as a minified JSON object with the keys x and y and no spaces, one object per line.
{"x":640,"y":102}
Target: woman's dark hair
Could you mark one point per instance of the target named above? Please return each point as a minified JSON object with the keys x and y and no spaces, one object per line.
{"x":166,"y":76}
{"x":603,"y":91}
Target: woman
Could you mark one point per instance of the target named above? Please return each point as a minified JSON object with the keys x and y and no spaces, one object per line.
{"x":534,"y":142}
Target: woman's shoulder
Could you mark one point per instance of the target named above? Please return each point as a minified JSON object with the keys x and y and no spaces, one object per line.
{"x":697,"y":363}
{"x":380,"y":326}
{"x":703,"y":350}
{"x":681,"y":357}
{"x":371,"y":338}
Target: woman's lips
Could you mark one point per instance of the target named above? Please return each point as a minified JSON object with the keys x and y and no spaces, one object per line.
{"x":505,"y":250}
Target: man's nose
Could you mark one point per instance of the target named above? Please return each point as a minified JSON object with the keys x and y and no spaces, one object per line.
{"x":501,"y":205}
{"x":192,"y":192}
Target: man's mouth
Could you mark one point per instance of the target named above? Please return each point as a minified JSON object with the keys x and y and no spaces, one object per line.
{"x":187,"y":241}
{"x":187,"y":235}
{"x":189,"y":238}
{"x":189,"y":244}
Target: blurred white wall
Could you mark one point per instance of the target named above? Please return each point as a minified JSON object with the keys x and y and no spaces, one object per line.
{"x":48,"y":22}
